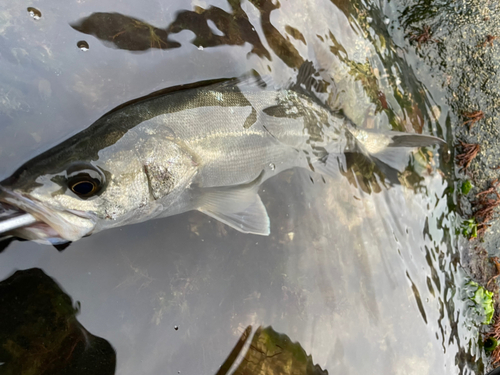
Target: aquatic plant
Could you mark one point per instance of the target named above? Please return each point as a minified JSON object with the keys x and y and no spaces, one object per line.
{"x":483,"y":302}
{"x":490,"y":344}
{"x":469,"y":228}
{"x":466,"y":187}
{"x":493,"y":336}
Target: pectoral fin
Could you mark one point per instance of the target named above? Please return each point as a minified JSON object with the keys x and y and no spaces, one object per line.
{"x":240,"y":207}
{"x":253,"y":219}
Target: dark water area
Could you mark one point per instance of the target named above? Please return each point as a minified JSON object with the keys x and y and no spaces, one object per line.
{"x":353,"y":278}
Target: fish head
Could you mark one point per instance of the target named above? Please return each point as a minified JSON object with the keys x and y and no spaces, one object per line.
{"x":56,"y":197}
{"x":128,"y":182}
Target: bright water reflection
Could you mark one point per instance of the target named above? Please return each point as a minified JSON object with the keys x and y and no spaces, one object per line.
{"x":364,"y":282}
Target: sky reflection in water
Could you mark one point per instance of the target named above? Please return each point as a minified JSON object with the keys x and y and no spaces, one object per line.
{"x":363,"y":280}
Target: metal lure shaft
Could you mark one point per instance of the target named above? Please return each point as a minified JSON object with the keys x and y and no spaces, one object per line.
{"x":16,"y":222}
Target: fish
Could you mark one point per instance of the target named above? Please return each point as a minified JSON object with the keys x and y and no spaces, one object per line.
{"x":205,"y":147}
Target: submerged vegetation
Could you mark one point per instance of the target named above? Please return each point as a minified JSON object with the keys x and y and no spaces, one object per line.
{"x":491,"y":341}
{"x":483,"y":302}
{"x":466,"y":187}
{"x":469,"y":228}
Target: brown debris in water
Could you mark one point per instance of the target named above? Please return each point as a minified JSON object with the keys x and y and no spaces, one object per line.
{"x":486,"y":207}
{"x":496,"y":261}
{"x":489,"y":40}
{"x":383,"y":100}
{"x":423,"y":37}
{"x":482,"y":228}
{"x":470,"y":151}
{"x":473,"y":117}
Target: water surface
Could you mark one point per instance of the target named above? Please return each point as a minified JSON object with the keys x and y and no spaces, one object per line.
{"x":362,"y":276}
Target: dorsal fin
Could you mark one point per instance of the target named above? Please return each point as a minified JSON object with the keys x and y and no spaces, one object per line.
{"x":305,"y":83}
{"x":170,"y":90}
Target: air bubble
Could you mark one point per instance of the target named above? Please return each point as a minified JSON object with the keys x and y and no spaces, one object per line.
{"x":34,"y":13}
{"x":83,"y":45}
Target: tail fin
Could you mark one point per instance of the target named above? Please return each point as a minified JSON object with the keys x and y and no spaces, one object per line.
{"x":392,"y":148}
{"x":399,"y":139}
{"x":372,"y":159}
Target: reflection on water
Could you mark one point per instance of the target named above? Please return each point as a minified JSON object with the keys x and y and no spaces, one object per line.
{"x":125,"y":32}
{"x":39,"y":333}
{"x":341,"y":267}
{"x":270,"y":353}
{"x":232,"y":28}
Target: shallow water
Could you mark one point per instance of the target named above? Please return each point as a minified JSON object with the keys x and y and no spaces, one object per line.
{"x":364,"y":280}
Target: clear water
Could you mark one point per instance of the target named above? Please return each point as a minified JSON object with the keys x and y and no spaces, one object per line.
{"x":364,"y":282}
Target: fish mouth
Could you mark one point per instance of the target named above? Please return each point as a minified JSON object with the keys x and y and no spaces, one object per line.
{"x":51,"y":226}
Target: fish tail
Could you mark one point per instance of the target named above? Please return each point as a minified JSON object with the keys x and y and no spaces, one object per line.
{"x":375,"y":156}
{"x":392,"y":148}
{"x":399,"y":139}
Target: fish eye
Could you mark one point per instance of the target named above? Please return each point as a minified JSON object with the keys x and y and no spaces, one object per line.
{"x":85,"y":187}
{"x":84,"y":179}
